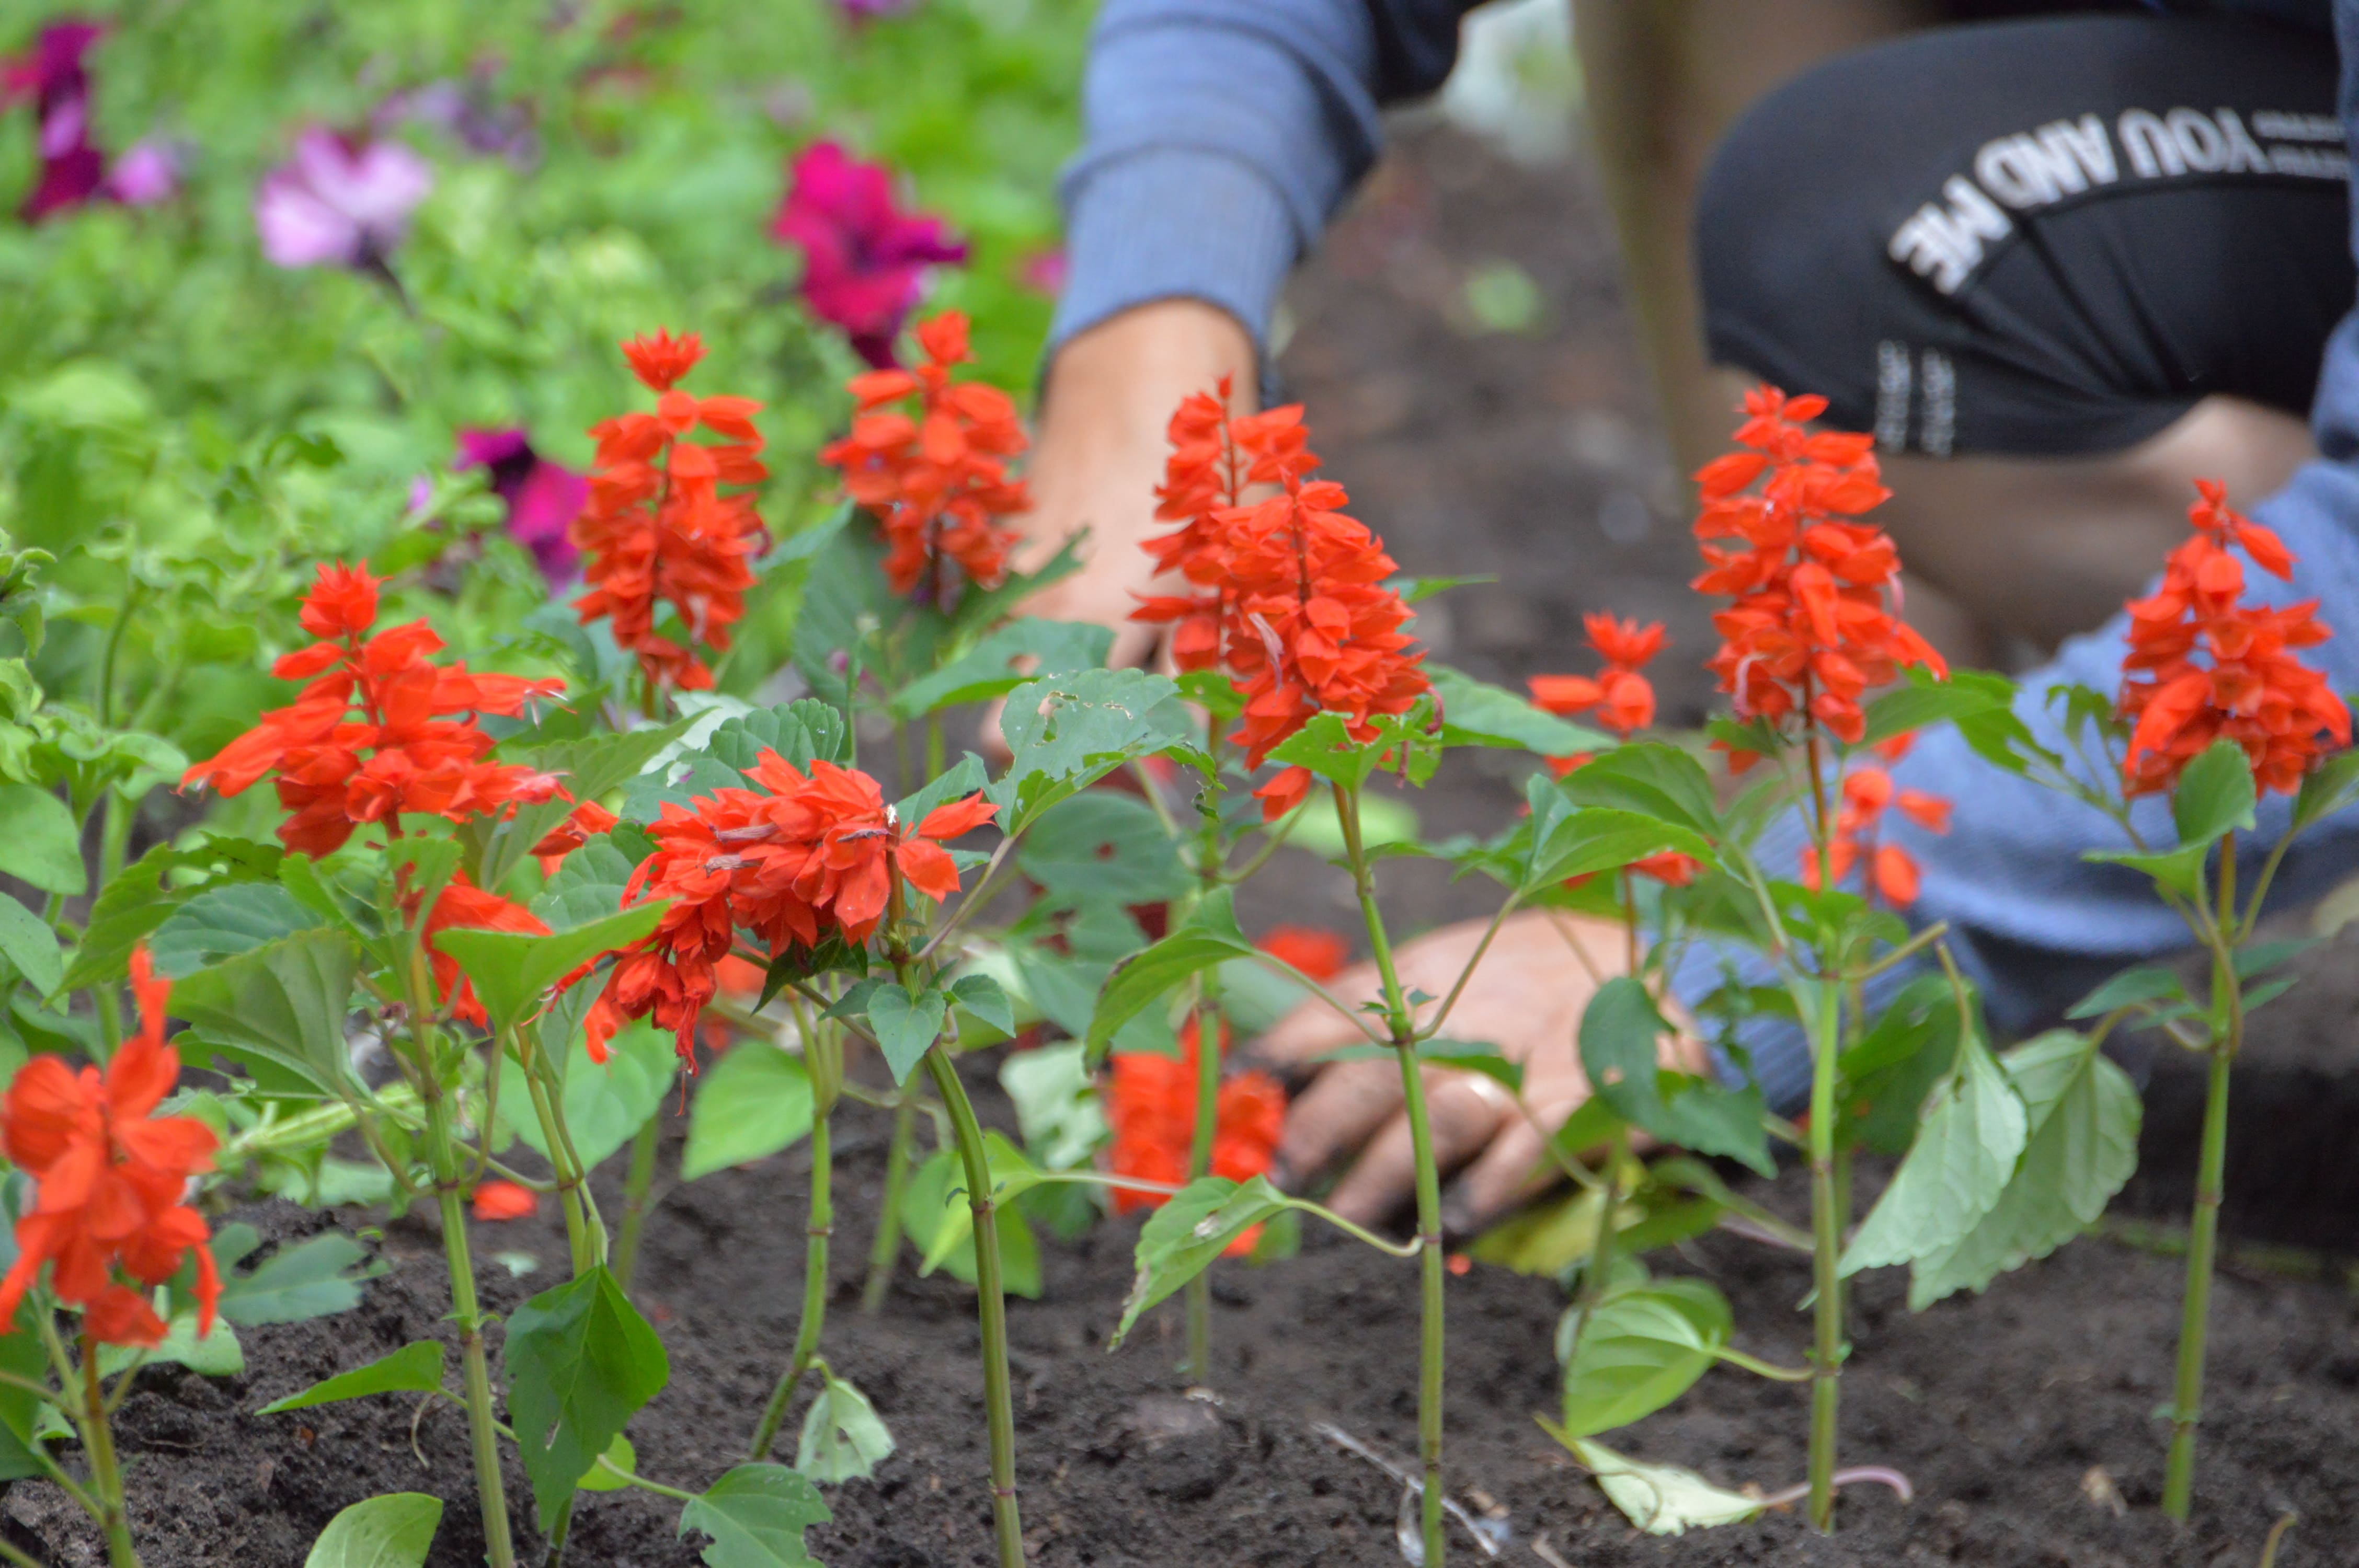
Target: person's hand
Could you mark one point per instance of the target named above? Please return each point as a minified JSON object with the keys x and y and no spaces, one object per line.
{"x":1526,"y":999}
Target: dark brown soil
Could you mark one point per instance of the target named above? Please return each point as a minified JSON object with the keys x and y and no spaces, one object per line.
{"x":2002,"y":1410}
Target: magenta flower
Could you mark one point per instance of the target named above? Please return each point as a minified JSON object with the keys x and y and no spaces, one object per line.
{"x":51,"y":74}
{"x":863,"y":260}
{"x":868,"y":10}
{"x":543,"y":498}
{"x":148,"y":174}
{"x":337,"y":204}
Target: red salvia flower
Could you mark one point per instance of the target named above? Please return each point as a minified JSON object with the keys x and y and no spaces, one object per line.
{"x":2247,"y":687}
{"x":108,"y":1174}
{"x":1151,"y":1103}
{"x":585,"y":822}
{"x":498,"y":1200}
{"x":935,"y":482}
{"x":464,"y":905}
{"x":659,"y":528}
{"x":1814,"y":623}
{"x":378,"y":729}
{"x":1889,"y":871}
{"x":1315,"y":951}
{"x":1622,"y":700}
{"x":793,"y":859}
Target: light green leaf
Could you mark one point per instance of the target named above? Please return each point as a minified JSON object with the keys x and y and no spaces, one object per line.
{"x":394,"y":1531}
{"x":843,"y":1439}
{"x":987,"y":999}
{"x":580,"y":1362}
{"x":935,"y":1197}
{"x":21,"y":1414}
{"x":1651,"y":779}
{"x":1404,"y":743}
{"x":605,"y":1103}
{"x":144,"y":894}
{"x":224,"y":921}
{"x":2327,"y":788}
{"x":757,"y":1515}
{"x":2146,"y":982}
{"x":1207,"y":937}
{"x":2083,"y":1114}
{"x":512,"y":970}
{"x":2214,"y":794}
{"x":984,"y":672}
{"x":1661,"y":1499}
{"x":1057,"y":1104}
{"x":801,"y":733}
{"x":1103,"y":845}
{"x":1066,"y":733}
{"x":30,"y":946}
{"x":1195,"y":1226}
{"x":591,"y":767}
{"x":749,"y":1105}
{"x":953,"y":1226}
{"x":1621,"y":1036}
{"x":906,"y":1026}
{"x":278,"y":1010}
{"x":1929,"y":699}
{"x":217,"y":1355}
{"x":598,"y":1478}
{"x":415,"y":1368}
{"x":1972,"y":1132}
{"x":2179,"y":869}
{"x":44,"y":841}
{"x":1476,"y":713}
{"x":1639,"y":1350}
{"x":311,"y":1279}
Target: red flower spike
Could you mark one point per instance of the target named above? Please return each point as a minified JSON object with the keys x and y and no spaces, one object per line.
{"x":935,"y":481}
{"x":1867,"y":793}
{"x":1151,"y":1103}
{"x":412,"y":746}
{"x":662,"y":360}
{"x":1623,"y":700}
{"x":106,"y":1216}
{"x":2203,"y":666}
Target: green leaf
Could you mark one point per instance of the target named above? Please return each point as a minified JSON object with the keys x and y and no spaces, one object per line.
{"x":1972,"y":1132}
{"x":580,"y":1362}
{"x":513,"y":970}
{"x":934,"y":1198}
{"x":1403,"y":743}
{"x":1103,"y":845}
{"x":415,"y":1368}
{"x":280,"y":1010}
{"x":985,"y":671}
{"x":1598,"y":839}
{"x":757,"y":1515}
{"x":2262,"y":957}
{"x":224,"y":921}
{"x":217,"y":1355}
{"x":802,"y":732}
{"x":843,"y":1439}
{"x":1929,"y":699}
{"x":43,"y":838}
{"x":619,"y":1454}
{"x":1476,"y":713}
{"x":2180,"y":869}
{"x":1057,"y":1104}
{"x":750,"y":1104}
{"x":1660,"y":1499}
{"x":1180,"y":1240}
{"x":30,"y":946}
{"x":1652,"y":780}
{"x":394,"y":1531}
{"x":1620,"y":1032}
{"x":588,"y":885}
{"x":906,"y":1025}
{"x":1066,"y":733}
{"x":950,"y":1228}
{"x":962,"y":778}
{"x":2214,"y":794}
{"x":144,"y":894}
{"x":605,"y":1103}
{"x":591,"y":767}
{"x":1207,"y":937}
{"x":2146,"y":982}
{"x":311,"y":1279}
{"x":982,"y":996}
{"x":1473,"y":1056}
{"x":2326,"y":789}
{"x":1909,"y":1022}
{"x":1639,"y":1350}
{"x":21,"y":1414}
{"x":2084,"y":1115}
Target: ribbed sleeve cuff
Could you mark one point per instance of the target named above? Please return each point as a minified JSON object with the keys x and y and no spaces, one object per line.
{"x":1174,"y":223}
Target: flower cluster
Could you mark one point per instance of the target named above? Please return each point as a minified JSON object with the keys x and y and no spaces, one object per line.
{"x":1151,"y":1103}
{"x":936,"y":482}
{"x":55,"y":74}
{"x":108,"y":1175}
{"x":1291,"y":590}
{"x":2248,"y":688}
{"x":1620,"y":698}
{"x":542,"y":498}
{"x":1867,"y":793}
{"x":864,"y":259}
{"x":658,"y":528}
{"x":412,"y":746}
{"x":793,"y":860}
{"x":339,"y":202}
{"x":1813,"y":625}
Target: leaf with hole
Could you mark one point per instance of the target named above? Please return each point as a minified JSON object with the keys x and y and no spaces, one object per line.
{"x":756,"y":1516}
{"x":1195,"y":1226}
{"x":843,"y":1439}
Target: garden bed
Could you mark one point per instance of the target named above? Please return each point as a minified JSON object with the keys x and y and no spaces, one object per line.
{"x":2003,"y":1410}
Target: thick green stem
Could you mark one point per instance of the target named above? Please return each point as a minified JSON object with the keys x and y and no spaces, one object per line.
{"x":1601,"y":1251}
{"x":466,"y":1315}
{"x":2211,"y":1182}
{"x":569,"y":1180}
{"x":636,"y":1184}
{"x":990,"y":1306}
{"x":1826,"y":1247}
{"x":820,"y":1226}
{"x":884,"y":1251}
{"x":105,"y":1474}
{"x":1208,"y":859}
{"x":1402,"y":1020}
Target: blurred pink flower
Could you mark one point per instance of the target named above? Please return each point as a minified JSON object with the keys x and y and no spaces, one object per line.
{"x":868,"y":10}
{"x":51,"y":74}
{"x":147,"y":174}
{"x":864,"y":259}
{"x":334,"y":203}
{"x":542,"y":497}
{"x":1044,"y":272}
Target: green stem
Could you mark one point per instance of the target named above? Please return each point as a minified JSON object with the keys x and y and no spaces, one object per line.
{"x":636,"y":1185}
{"x":1210,"y":857}
{"x":1601,"y":1251}
{"x":1402,"y":1018}
{"x":990,"y":1306}
{"x":884,"y":1251}
{"x":569,"y":1180}
{"x":105,"y":1474}
{"x":820,"y":1227}
{"x":1826,"y":1239}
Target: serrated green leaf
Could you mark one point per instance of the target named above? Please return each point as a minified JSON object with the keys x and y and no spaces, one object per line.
{"x":906,"y":1025}
{"x":1621,"y":1035}
{"x":801,"y":733}
{"x":1404,"y":743}
{"x":1640,"y":1349}
{"x":1476,"y":713}
{"x":1209,"y":937}
{"x":1066,"y":733}
{"x":1660,"y":1499}
{"x":223,"y":922}
{"x":144,"y":894}
{"x":591,"y":767}
{"x":587,"y":887}
{"x":985,"y":670}
{"x":394,"y":1530}
{"x":749,"y":1105}
{"x":513,"y":970}
{"x":1652,"y":780}
{"x":756,"y":1516}
{"x":2215,"y":794}
{"x":843,"y":1438}
{"x":280,"y":1010}
{"x":1972,"y":1133}
{"x":30,"y":946}
{"x":44,"y":841}
{"x":1195,"y":1226}
{"x":580,"y":1362}
{"x":311,"y":1279}
{"x":982,"y":996}
{"x":415,"y":1368}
